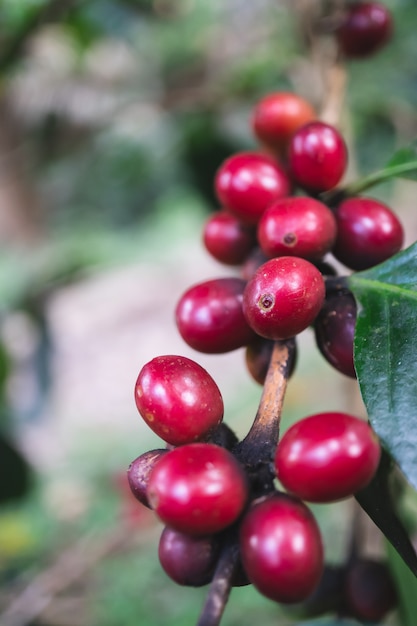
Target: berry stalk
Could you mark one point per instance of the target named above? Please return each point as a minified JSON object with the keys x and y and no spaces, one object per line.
{"x":259,"y":444}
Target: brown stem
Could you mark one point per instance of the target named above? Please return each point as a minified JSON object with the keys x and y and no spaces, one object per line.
{"x":220,"y":587}
{"x":261,"y":441}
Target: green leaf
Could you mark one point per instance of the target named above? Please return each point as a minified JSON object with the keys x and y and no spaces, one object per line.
{"x":406,"y":585}
{"x":405,"y":158}
{"x":385,"y":350}
{"x":376,"y":499}
{"x":403,"y":164}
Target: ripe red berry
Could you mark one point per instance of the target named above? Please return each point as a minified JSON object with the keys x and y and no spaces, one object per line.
{"x":281,"y":548}
{"x":248,"y":182}
{"x":366,"y":28}
{"x":139,"y":472}
{"x":278,"y":115}
{"x":209,"y":316}
{"x":317,"y":157}
{"x":334,"y":329}
{"x":297,"y":226}
{"x":186,"y":559}
{"x":283,"y":297}
{"x":198,"y":489}
{"x":368,"y":233}
{"x":178,"y":399}
{"x":227,"y":239}
{"x":327,"y":457}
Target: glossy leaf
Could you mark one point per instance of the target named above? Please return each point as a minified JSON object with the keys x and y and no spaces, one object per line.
{"x":386,"y":353}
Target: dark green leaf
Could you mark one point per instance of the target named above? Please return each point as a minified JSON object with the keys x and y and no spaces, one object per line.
{"x":377,"y":501}
{"x":386,"y":354}
{"x":14,"y":472}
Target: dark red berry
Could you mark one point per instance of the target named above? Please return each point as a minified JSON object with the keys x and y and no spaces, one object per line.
{"x":210,"y":318}
{"x":283,"y":297}
{"x":258,"y":356}
{"x":366,"y":28}
{"x":369,"y":591}
{"x":317,"y":157}
{"x":139,"y":472}
{"x":178,"y":399}
{"x":327,"y":457}
{"x":198,"y":489}
{"x":248,"y":182}
{"x":255,"y":259}
{"x":278,"y":115}
{"x":368,"y":233}
{"x":281,"y":548}
{"x":297,"y":226}
{"x":334,"y":329}
{"x":227,"y":239}
{"x":186,"y":559}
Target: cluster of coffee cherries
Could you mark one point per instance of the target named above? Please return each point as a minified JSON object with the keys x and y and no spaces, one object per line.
{"x":279,"y":230}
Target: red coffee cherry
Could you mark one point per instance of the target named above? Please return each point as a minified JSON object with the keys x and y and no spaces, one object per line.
{"x":227,"y":239}
{"x":198,"y":489}
{"x":297,"y":226}
{"x":334,"y":329}
{"x":139,"y":472}
{"x":367,"y":27}
{"x":281,"y":548}
{"x":248,"y":182}
{"x":178,"y":399}
{"x":368,"y":233}
{"x":317,"y":157}
{"x":278,"y":115}
{"x":283,"y":297}
{"x":327,"y":457}
{"x":209,"y":316}
{"x":188,"y":560}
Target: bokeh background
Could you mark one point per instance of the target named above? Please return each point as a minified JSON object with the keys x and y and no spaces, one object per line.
{"x":114,"y":116}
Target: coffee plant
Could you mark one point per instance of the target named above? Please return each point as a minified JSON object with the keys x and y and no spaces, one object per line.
{"x":236,"y":512}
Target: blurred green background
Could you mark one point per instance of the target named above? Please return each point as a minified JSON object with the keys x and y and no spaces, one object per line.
{"x":114,"y":118}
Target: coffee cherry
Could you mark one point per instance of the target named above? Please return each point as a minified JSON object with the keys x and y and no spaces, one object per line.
{"x":198,"y":489}
{"x":334,"y":329}
{"x":369,"y":591}
{"x":297,"y":226}
{"x":327,"y":457}
{"x":283,"y":297}
{"x":178,"y":399}
{"x":139,"y":472}
{"x":317,"y":157}
{"x":366,"y":28}
{"x":277,"y":116}
{"x":258,"y":356}
{"x":227,"y":239}
{"x":281,"y":548}
{"x":188,"y":560}
{"x":255,"y":259}
{"x":248,"y":182}
{"x":368,"y":233}
{"x":209,"y":316}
